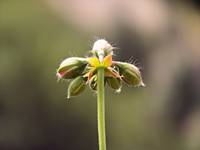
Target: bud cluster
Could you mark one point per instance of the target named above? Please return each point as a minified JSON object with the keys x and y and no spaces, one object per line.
{"x":83,"y":71}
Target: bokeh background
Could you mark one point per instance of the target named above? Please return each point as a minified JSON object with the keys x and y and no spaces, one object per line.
{"x":161,"y":37}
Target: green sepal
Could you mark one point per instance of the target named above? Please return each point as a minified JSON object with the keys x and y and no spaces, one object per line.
{"x":76,"y":86}
{"x":71,"y":68}
{"x":130,"y":74}
{"x":93,"y":83}
{"x":114,"y":83}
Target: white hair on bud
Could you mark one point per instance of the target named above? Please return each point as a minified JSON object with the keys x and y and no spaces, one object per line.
{"x":101,"y":44}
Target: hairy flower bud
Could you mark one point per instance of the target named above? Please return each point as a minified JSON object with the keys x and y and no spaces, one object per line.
{"x":76,"y":86}
{"x":114,"y":83}
{"x":130,"y":74}
{"x":71,"y":67}
{"x":102,"y":48}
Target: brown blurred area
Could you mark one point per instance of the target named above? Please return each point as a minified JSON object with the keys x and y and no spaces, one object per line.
{"x":159,"y":36}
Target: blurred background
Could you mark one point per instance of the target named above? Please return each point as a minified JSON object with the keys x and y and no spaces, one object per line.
{"x":159,"y":36}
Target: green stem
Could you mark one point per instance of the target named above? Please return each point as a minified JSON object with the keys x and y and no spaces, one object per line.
{"x":101,"y":109}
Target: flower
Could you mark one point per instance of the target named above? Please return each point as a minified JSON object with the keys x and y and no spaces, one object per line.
{"x":83,"y":71}
{"x":102,"y":48}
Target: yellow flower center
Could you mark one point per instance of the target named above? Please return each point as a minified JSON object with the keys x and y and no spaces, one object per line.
{"x":95,"y":62}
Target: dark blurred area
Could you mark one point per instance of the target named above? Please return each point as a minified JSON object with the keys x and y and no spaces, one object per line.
{"x":159,"y":36}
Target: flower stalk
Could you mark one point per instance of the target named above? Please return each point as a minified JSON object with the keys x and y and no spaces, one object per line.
{"x":101,"y":109}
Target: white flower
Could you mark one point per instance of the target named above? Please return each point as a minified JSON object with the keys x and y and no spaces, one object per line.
{"x":101,"y":44}
{"x":102,"y":47}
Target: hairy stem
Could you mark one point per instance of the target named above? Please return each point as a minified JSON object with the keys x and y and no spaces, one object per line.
{"x":101,"y":109}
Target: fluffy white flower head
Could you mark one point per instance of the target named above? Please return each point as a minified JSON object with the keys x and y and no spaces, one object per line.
{"x":101,"y":46}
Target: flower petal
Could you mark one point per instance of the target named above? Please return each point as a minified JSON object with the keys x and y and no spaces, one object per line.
{"x":90,"y":73}
{"x":93,"y":61}
{"x":107,"y":61}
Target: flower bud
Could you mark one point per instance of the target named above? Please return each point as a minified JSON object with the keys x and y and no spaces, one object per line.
{"x":130,"y":74}
{"x":93,"y":83}
{"x":76,"y":86}
{"x":71,"y":67}
{"x":102,"y":48}
{"x":114,"y":83}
